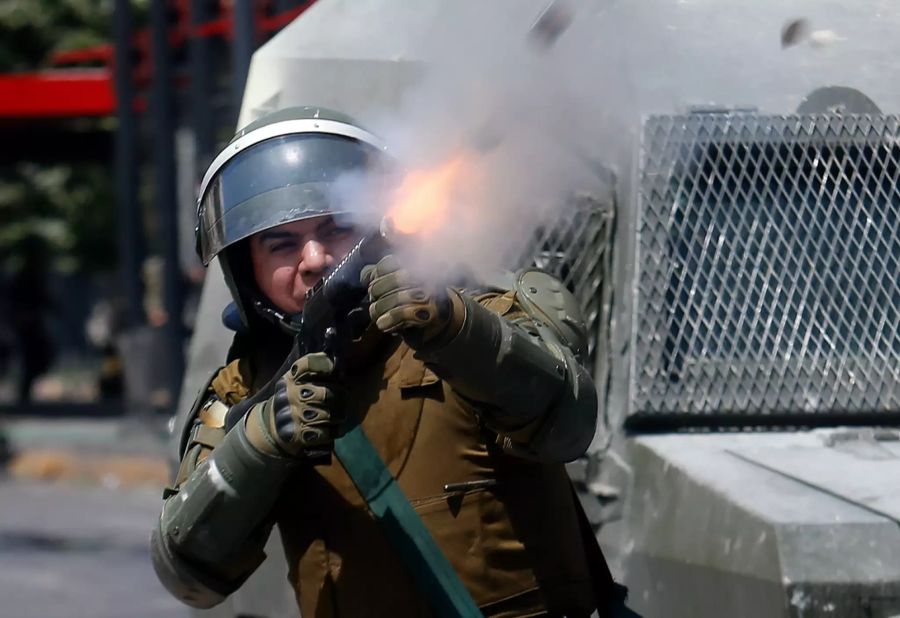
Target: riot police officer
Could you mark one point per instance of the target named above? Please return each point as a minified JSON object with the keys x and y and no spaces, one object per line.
{"x":472,"y":398}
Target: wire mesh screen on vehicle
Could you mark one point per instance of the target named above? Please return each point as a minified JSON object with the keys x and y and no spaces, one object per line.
{"x":576,"y":250}
{"x":768,"y":258}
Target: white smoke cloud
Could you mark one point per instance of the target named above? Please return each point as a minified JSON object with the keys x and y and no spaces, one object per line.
{"x":542,"y":122}
{"x":501,"y":100}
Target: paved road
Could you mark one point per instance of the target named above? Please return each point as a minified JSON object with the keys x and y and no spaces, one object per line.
{"x":72,"y":551}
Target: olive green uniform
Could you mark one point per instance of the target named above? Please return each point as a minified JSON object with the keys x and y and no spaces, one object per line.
{"x":512,"y":537}
{"x":473,"y":401}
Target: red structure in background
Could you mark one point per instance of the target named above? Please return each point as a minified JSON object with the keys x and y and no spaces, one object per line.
{"x":71,"y":90}
{"x":167,"y":76}
{"x":57,"y":93}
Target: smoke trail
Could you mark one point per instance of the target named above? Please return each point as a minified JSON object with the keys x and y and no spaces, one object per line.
{"x":537,"y":123}
{"x":499,"y":101}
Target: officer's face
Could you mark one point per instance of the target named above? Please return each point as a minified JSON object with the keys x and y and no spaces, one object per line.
{"x":289,"y":260}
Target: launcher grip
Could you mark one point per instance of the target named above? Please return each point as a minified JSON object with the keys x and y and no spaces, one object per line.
{"x":330,"y":303}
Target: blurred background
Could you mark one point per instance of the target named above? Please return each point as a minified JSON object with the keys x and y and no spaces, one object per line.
{"x":101,"y":101}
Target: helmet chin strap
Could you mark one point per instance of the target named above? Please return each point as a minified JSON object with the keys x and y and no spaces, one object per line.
{"x":290,"y":323}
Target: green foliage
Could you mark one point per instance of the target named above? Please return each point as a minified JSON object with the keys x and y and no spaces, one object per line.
{"x":30,"y":30}
{"x":68,"y":207}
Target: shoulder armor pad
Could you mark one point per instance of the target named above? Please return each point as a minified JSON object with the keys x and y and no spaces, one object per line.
{"x":187,"y":425}
{"x":546,"y":299}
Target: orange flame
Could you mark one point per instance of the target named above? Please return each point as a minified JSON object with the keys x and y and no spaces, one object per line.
{"x":423,"y":199}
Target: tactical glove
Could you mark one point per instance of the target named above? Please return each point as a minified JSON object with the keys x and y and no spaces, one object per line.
{"x":303,"y":417}
{"x":401,"y":304}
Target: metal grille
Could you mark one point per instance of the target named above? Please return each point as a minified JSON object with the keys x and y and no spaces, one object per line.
{"x":767,"y":265}
{"x":576,"y":249}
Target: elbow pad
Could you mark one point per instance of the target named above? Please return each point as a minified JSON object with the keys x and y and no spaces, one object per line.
{"x":186,"y":582}
{"x":566,"y":431}
{"x":211,"y":532}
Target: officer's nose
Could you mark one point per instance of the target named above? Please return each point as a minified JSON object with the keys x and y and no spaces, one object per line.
{"x":314,"y":258}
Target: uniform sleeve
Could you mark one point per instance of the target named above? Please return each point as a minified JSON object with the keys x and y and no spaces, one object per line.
{"x":520,"y":378}
{"x":218,"y":513}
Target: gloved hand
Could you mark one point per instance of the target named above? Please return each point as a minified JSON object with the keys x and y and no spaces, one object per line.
{"x":401,"y":304}
{"x":304,"y":415}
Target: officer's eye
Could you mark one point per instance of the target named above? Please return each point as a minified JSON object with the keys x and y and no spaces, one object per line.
{"x":282,"y":246}
{"x":337,"y":231}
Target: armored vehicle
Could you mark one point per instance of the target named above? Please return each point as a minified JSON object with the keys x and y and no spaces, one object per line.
{"x":737,"y":260}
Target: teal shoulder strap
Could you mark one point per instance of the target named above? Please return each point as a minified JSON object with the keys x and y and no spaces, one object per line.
{"x":405,"y":530}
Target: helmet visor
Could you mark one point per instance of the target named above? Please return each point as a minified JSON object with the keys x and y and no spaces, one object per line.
{"x":282,"y":179}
